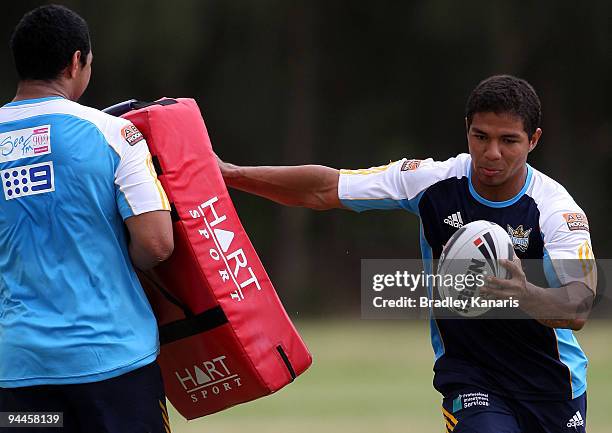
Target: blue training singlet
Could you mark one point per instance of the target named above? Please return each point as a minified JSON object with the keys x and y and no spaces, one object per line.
{"x":71,"y":307}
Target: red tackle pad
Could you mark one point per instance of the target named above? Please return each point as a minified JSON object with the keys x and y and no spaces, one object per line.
{"x":225,"y":336}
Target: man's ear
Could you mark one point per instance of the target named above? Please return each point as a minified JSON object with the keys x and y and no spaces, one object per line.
{"x":75,"y":64}
{"x":534,"y":139}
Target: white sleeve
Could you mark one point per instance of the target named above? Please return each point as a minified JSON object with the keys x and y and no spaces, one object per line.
{"x":137,"y":186}
{"x":567,"y":245}
{"x":397,"y":185}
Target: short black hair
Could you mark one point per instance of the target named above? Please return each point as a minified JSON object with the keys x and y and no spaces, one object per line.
{"x":506,"y":94}
{"x":45,"y":39}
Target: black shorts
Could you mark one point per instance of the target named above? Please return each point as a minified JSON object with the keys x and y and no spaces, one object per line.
{"x":474,"y":410}
{"x":131,"y":403}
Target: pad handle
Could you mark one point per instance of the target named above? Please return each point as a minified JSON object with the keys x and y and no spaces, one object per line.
{"x":133,"y":104}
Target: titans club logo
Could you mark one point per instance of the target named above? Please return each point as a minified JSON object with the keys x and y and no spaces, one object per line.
{"x":519,"y":237}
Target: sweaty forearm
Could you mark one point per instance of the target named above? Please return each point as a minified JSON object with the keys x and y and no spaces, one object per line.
{"x":561,"y":307}
{"x":311,"y":186}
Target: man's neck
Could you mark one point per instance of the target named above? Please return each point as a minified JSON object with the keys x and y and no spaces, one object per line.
{"x":34,"y":89}
{"x":501,"y":193}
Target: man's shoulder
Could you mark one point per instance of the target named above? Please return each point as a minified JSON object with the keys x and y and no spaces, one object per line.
{"x":548,"y":192}
{"x":89,"y":116}
{"x":555,"y":204}
{"x":115,"y":130}
{"x":431,"y":170}
{"x":105,"y":122}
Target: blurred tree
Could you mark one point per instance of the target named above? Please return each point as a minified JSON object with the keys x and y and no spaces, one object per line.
{"x":355,"y":84}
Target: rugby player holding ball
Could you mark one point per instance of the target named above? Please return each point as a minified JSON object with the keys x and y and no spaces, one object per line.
{"x":500,"y":375}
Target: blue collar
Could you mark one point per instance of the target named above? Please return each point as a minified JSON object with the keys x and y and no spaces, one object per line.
{"x":32,"y":101}
{"x":504,"y":203}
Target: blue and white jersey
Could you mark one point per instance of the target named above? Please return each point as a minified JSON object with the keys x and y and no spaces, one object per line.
{"x":71,"y":307}
{"x":518,"y":358}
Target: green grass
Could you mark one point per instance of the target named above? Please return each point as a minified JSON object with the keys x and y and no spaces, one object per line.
{"x":375,"y":377}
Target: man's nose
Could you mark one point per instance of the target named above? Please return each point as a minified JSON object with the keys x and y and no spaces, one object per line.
{"x":492,"y":151}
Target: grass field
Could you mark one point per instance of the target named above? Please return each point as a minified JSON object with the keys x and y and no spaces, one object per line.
{"x":375,"y":377}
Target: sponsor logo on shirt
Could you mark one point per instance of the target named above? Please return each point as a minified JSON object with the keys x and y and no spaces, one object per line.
{"x":458,"y":403}
{"x":519,"y":237}
{"x":454,"y":220}
{"x":587,"y":263}
{"x":411,"y":164}
{"x":25,"y":143}
{"x":464,"y":401}
{"x":576,"y":221}
{"x":131,"y":134}
{"x":27,"y":180}
{"x":576,"y":420}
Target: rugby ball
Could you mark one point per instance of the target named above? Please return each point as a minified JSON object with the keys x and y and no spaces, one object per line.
{"x":471,"y":254}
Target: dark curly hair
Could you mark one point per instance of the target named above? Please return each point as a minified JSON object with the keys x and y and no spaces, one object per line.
{"x":45,"y":39}
{"x":506,"y":94}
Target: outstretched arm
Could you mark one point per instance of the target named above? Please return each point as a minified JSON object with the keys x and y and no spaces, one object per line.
{"x":311,"y":186}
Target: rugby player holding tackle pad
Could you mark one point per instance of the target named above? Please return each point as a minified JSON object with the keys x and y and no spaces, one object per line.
{"x":80,"y":208}
{"x":77,"y":333}
{"x":496,"y":376}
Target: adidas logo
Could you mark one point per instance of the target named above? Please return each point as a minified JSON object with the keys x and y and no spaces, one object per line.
{"x":576,"y":420}
{"x":454,"y":220}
